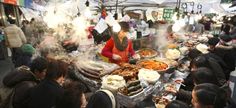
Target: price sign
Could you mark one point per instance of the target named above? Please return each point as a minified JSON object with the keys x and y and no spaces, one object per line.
{"x":167,"y":14}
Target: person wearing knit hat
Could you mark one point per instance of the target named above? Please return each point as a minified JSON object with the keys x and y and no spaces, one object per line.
{"x":225,"y":40}
{"x":28,"y":49}
{"x":212,"y":42}
{"x":24,"y":58}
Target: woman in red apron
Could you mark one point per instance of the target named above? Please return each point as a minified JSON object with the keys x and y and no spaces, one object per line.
{"x":118,"y":48}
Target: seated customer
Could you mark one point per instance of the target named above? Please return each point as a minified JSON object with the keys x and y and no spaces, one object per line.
{"x":23,"y":79}
{"x":203,"y":61}
{"x":208,"y":96}
{"x":201,"y":75}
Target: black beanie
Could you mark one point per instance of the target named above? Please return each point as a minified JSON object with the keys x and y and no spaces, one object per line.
{"x":213,"y":41}
{"x":226,"y":38}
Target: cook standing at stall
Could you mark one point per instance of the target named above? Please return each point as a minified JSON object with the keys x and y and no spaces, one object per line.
{"x":119,"y":48}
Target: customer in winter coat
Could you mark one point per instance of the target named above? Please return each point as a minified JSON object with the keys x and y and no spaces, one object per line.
{"x":208,"y":96}
{"x":23,"y":79}
{"x":15,"y":38}
{"x":201,"y":75}
{"x":225,"y":53}
{"x":24,"y":58}
{"x":49,"y":92}
{"x":73,"y":96}
{"x":203,"y":61}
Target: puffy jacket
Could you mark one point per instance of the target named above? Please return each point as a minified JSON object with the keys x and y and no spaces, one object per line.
{"x":46,"y":95}
{"x":22,"y":80}
{"x":15,"y":37}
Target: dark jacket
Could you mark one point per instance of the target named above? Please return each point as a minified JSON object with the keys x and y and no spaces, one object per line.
{"x":228,"y":57}
{"x":184,"y":95}
{"x":22,"y":80}
{"x":46,"y":95}
{"x":188,"y":81}
{"x":23,"y":59}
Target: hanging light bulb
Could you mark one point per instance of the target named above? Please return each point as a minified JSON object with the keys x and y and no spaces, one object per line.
{"x":87,"y":3}
{"x":87,"y":12}
{"x":176,"y":27}
{"x":191,"y":19}
{"x":182,"y":22}
{"x":116,"y":16}
{"x":116,"y":27}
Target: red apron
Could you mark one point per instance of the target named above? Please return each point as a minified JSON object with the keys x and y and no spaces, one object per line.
{"x":123,"y":54}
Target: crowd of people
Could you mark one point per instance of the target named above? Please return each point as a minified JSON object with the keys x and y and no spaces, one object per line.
{"x":40,"y":82}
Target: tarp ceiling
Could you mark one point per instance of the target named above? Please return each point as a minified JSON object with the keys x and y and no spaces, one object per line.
{"x":209,"y":6}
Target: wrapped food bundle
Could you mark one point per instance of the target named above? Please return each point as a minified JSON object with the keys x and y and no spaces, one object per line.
{"x":113,"y":82}
{"x":173,"y":54}
{"x":132,"y":88}
{"x":148,"y":75}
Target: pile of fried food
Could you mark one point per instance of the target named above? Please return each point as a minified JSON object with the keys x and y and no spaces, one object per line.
{"x":153,"y":64}
{"x":147,"y":53}
{"x":128,"y":71}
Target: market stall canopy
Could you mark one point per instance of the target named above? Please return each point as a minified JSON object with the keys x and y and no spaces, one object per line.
{"x":208,"y":6}
{"x":23,"y":3}
{"x":129,"y":2}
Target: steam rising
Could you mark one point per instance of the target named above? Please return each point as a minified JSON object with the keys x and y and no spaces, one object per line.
{"x":161,"y":40}
{"x":63,"y":19}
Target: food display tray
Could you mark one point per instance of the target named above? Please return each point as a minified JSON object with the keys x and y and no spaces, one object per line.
{"x":92,"y":84}
{"x":131,"y":101}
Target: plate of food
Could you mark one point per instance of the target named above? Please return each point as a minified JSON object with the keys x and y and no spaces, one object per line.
{"x":158,"y":66}
{"x":147,"y":53}
{"x":160,"y":102}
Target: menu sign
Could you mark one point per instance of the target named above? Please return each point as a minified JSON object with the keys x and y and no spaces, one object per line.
{"x":167,"y":14}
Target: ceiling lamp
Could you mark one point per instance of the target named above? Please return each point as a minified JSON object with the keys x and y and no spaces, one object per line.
{"x":87,"y":3}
